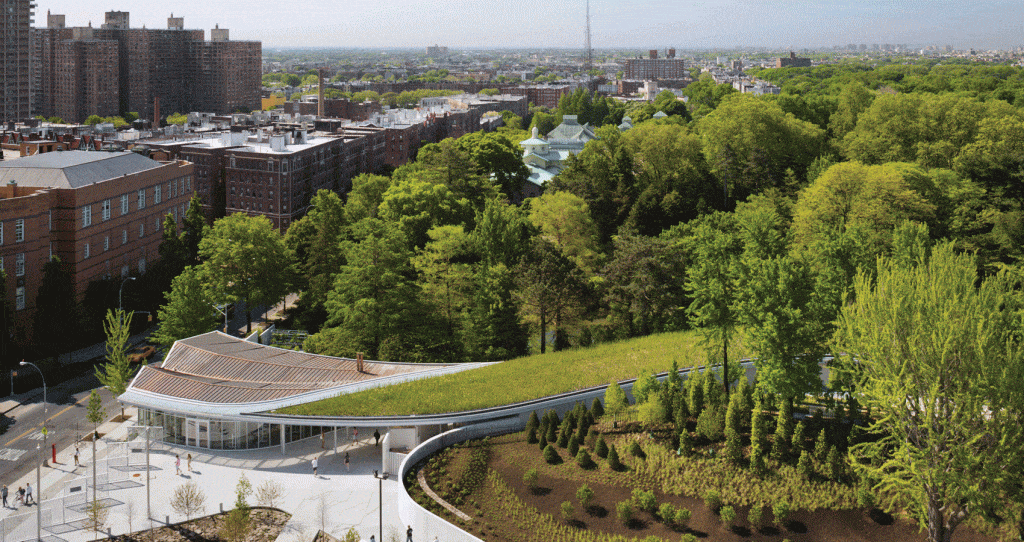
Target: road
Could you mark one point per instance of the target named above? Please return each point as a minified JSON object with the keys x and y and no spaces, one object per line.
{"x":65,"y":418}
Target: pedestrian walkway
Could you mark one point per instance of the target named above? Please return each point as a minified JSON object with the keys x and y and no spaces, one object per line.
{"x":335,"y":500}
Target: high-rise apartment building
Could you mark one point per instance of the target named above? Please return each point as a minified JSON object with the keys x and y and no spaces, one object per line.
{"x":655,"y":68}
{"x":115,"y":69}
{"x":15,"y":59}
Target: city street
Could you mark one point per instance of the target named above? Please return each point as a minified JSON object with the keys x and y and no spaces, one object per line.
{"x":65,"y":418}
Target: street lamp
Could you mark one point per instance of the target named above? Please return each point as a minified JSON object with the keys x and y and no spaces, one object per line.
{"x":225,"y":313}
{"x":120,"y":292}
{"x":380,"y":502}
{"x":24,"y":363}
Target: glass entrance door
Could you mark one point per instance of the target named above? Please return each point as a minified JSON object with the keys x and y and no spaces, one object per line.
{"x":197,"y":433}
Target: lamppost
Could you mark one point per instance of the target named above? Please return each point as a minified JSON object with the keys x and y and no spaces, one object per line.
{"x":24,"y":363}
{"x":120,"y":293}
{"x":225,"y":313}
{"x":380,"y":502}
{"x":38,"y":498}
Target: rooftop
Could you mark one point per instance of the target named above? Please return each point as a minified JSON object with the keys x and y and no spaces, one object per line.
{"x":72,"y":169}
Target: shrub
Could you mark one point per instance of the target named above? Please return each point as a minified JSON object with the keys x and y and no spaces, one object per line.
{"x":613,"y":459}
{"x":865,"y":498}
{"x":834,"y":466}
{"x":585,"y":496}
{"x":667,"y":512}
{"x":552,"y":432}
{"x":756,"y":516}
{"x":644,"y":500}
{"x":685,"y":443}
{"x":584,"y":461}
{"x":601,"y":448}
{"x":821,"y":447}
{"x":531,"y":435}
{"x":597,"y":408}
{"x":781,"y":512}
{"x":805,"y":466}
{"x":543,"y":441}
{"x":695,"y":398}
{"x":551,"y":455}
{"x":624,"y":511}
{"x":783,"y":430}
{"x":799,"y":437}
{"x":574,"y":446}
{"x":711,"y":423}
{"x":563,"y":435}
{"x":567,"y":510}
{"x":758,"y":466}
{"x":636,"y":451}
{"x":614,"y":399}
{"x":683,"y":517}
{"x":688,"y":537}
{"x":713,"y":500}
{"x":530,"y":478}
{"x":728,"y":515}
{"x":652,"y":411}
{"x":646,"y":388}
{"x":533,"y":422}
{"x":759,"y":428}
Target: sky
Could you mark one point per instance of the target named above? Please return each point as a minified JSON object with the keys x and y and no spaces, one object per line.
{"x":650,"y":24}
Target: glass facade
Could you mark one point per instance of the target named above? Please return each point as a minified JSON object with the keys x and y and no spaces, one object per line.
{"x":224,"y":434}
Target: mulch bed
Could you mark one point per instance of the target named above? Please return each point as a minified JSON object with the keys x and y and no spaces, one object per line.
{"x":818,"y":526}
{"x":266,"y":525}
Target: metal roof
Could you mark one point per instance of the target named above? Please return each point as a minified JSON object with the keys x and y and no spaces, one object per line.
{"x":72,"y":169}
{"x":218,"y":374}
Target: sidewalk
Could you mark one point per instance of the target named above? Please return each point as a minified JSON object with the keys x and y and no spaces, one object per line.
{"x":334,"y":501}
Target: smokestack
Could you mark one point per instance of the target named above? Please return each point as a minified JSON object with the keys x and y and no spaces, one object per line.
{"x":320,"y":96}
{"x":156,"y":111}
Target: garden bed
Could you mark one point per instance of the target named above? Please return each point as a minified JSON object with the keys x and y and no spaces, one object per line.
{"x":266,"y":525}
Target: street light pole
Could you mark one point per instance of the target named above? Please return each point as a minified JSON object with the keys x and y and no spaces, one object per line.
{"x":225,"y":313}
{"x":120,"y":292}
{"x":380,"y":502}
{"x":38,"y":497}
{"x":24,"y":363}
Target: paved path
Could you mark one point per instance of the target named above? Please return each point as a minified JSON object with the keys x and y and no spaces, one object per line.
{"x":334,"y":500}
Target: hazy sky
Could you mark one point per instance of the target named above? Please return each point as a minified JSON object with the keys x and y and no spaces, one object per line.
{"x":557,"y":23}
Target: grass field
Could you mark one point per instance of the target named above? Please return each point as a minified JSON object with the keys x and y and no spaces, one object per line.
{"x":522,"y":379}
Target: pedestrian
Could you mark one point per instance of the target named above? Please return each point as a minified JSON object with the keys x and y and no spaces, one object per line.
{"x":408,"y":534}
{"x":177,"y":464}
{"x":372,"y":539}
{"x":21,"y":495}
{"x":314,"y":462}
{"x":3,"y":493}
{"x":376,"y":436}
{"x":322,"y":447}
{"x":435,"y":539}
{"x":355,"y":434}
{"x":28,"y":493}
{"x":347,"y":469}
{"x":77,"y":464}
{"x":188,"y":463}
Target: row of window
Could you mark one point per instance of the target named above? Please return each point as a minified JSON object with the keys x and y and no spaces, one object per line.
{"x":175,"y":187}
{"x":157,"y":224}
{"x":19,"y":271}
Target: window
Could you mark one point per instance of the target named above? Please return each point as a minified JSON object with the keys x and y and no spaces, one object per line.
{"x":142,"y":265}
{"x":175,"y":184}
{"x":1,"y":233}
{"x":19,"y":264}
{"x":156,"y":224}
{"x":106,"y":210}
{"x":85,"y":251}
{"x":19,"y":298}
{"x":124,"y":271}
{"x":106,"y":243}
{"x":124,"y":237}
{"x":124,"y":204}
{"x":142,"y":198}
{"x":86,"y":216}
{"x":156,"y":194}
{"x":142,"y":230}
{"x":19,"y":230}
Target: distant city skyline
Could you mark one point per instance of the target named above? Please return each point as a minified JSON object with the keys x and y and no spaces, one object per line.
{"x":714,"y":24}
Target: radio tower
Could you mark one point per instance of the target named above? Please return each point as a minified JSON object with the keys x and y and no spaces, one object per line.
{"x":588,"y":53}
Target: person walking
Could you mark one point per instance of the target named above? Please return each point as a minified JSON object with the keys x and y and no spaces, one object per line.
{"x":373,"y":538}
{"x":28,"y":494}
{"x":21,"y":495}
{"x":314,"y":463}
{"x":77,"y":464}
{"x":347,"y":461}
{"x":188,"y":463}
{"x":3,"y":493}
{"x":177,"y":464}
{"x":408,"y":534}
{"x":376,"y":436}
{"x":355,"y":434}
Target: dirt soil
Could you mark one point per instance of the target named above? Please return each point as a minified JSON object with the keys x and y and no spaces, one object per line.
{"x":266,"y":525}
{"x":820,"y":526}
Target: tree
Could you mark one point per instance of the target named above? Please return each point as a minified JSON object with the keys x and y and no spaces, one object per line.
{"x":614,"y":399}
{"x":245,"y":258}
{"x":551,"y":289}
{"x":712,"y":285}
{"x":563,"y":219}
{"x":117,"y":371}
{"x":446,"y":279}
{"x":177,"y":118}
{"x":585,"y":496}
{"x":96,"y":515}
{"x":496,"y":156}
{"x":188,"y":311}
{"x":644,"y":292}
{"x":56,"y":319}
{"x":315,"y":239}
{"x":188,"y":499}
{"x":936,"y":353}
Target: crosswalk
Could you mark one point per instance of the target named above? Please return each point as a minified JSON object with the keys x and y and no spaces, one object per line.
{"x":11,"y":454}
{"x":38,"y":435}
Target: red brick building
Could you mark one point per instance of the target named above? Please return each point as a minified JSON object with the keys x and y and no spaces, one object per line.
{"x":101,"y":213}
{"x":653,"y":69}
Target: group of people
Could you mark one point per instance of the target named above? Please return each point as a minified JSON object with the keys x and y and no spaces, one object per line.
{"x":24,"y":495}
{"x":177,"y":464}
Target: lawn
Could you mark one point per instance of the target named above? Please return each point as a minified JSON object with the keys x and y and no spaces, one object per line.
{"x":521,"y":379}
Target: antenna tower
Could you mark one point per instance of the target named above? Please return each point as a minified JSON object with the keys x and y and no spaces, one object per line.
{"x":588,"y":54}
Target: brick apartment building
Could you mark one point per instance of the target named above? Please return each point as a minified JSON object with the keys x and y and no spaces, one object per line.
{"x":792,"y":61}
{"x":654,"y":69}
{"x":15,"y":60}
{"x":133,"y":68}
{"x":543,"y":95}
{"x":101,"y":213}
